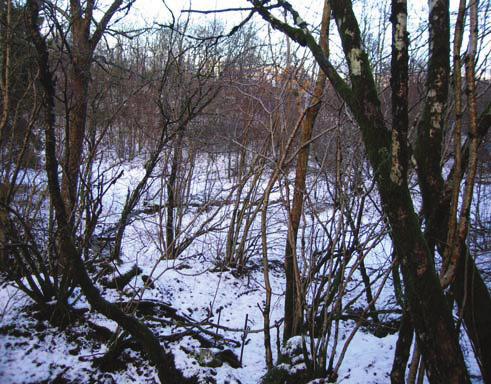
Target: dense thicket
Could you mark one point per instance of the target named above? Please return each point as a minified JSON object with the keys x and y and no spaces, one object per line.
{"x":358,"y":138}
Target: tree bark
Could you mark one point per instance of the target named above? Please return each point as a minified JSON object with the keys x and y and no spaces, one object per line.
{"x":162,"y":359}
{"x":293,"y":318}
{"x":440,"y":199}
{"x":173,"y":198}
{"x":431,"y":316}
{"x":474,"y":302}
{"x":428,"y":147}
{"x":82,"y":50}
{"x":6,"y":15}
{"x":403,"y":348}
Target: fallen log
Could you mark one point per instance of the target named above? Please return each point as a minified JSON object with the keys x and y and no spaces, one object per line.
{"x":123,"y":280}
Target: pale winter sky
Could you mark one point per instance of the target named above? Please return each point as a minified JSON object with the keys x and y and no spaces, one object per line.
{"x":310,"y":10}
{"x":148,"y":11}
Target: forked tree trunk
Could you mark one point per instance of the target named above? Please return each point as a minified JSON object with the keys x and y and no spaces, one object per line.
{"x":430,"y":314}
{"x":440,"y":199}
{"x":163,"y":360}
{"x":469,"y":290}
{"x":82,"y":47}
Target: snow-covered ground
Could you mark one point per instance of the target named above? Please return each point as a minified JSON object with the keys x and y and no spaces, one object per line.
{"x":32,"y":351}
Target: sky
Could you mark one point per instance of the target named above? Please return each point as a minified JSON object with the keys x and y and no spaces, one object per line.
{"x":152,"y":10}
{"x":155,"y":10}
{"x":149,"y":11}
{"x":309,"y":9}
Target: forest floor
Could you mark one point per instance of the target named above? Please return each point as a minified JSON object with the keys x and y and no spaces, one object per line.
{"x":195,"y":306}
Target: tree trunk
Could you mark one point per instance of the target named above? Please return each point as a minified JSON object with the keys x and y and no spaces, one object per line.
{"x":474,"y":302}
{"x":439,"y":203}
{"x":403,"y":348}
{"x":293,"y":315}
{"x":431,"y":316}
{"x":162,"y":359}
{"x":82,"y":49}
{"x":79,"y":84}
{"x":172,"y":198}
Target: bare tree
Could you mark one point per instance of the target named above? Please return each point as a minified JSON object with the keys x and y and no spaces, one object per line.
{"x":162,"y":359}
{"x":85,"y":36}
{"x":429,"y":311}
{"x":293,"y":298}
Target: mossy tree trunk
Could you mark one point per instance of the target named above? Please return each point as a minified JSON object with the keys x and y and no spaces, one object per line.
{"x":440,"y":197}
{"x":431,"y":316}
